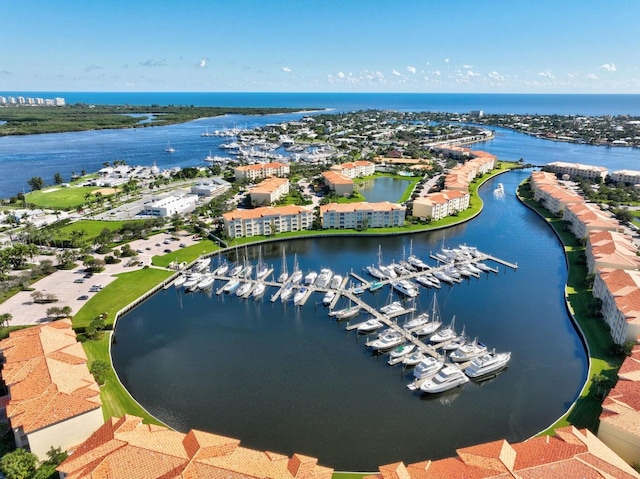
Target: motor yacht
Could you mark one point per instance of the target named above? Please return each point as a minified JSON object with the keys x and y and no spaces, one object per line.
{"x":427,"y":367}
{"x":487,"y":363}
{"x":448,"y":378}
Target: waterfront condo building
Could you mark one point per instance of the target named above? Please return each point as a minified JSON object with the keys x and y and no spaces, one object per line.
{"x":338,"y":183}
{"x":586,"y":217}
{"x":576,"y":170}
{"x":355,"y":169}
{"x":611,"y":249}
{"x":440,"y":205}
{"x":619,"y":291}
{"x":267,"y":220}
{"x":269,"y":190}
{"x":52,"y":399}
{"x":626,"y":176}
{"x":362,"y":215}
{"x":127,"y":448}
{"x":260,"y":171}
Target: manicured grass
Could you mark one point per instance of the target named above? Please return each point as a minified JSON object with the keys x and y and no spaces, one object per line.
{"x":92,"y":228}
{"x":60,"y":198}
{"x":351,"y":475}
{"x":586,"y":411}
{"x":116,"y":401}
{"x":187,"y":254}
{"x":116,"y":295}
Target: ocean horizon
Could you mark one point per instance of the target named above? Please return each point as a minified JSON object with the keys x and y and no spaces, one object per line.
{"x":588,"y":104}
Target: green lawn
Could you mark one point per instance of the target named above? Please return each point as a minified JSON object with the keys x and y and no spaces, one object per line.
{"x":188,"y":254}
{"x":116,"y":401}
{"x":116,"y":295}
{"x":60,"y":198}
{"x":586,"y":411}
{"x":92,"y":228}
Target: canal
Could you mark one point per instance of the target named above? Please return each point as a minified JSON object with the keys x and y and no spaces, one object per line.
{"x":288,"y":379}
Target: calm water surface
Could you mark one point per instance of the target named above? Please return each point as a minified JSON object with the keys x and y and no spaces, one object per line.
{"x":383,"y":189}
{"x":291,"y":379}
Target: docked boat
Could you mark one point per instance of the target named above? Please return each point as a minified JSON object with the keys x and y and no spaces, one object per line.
{"x":310,"y":278}
{"x":442,"y":276}
{"x":243,"y":289}
{"x":231,"y":286}
{"x":300,"y":294}
{"x":375,"y":272}
{"x":336,"y":281}
{"x":456,"y":343}
{"x":487,"y":363}
{"x":427,"y":328}
{"x":483,"y":267}
{"x":346,"y":313}
{"x":399,"y":269}
{"x":192,"y":281}
{"x":402,"y":351}
{"x":222,"y":269}
{"x":358,"y":290}
{"x":369,"y":325}
{"x":392,"y":308}
{"x":387,"y":271}
{"x":405,"y":287}
{"x":324,"y":278}
{"x":258,"y":290}
{"x":284,"y":274}
{"x":445,"y":334}
{"x":236,"y":270}
{"x":468,"y":351}
{"x":448,"y":378}
{"x":424,"y":280}
{"x":413,"y":359}
{"x":246,"y":271}
{"x":413,"y":260}
{"x":287,"y":291}
{"x":387,"y":341}
{"x":427,"y":367}
{"x":326,"y":300}
{"x":206,"y":282}
{"x":201,"y":264}
{"x":262,"y":269}
{"x":180,"y":280}
{"x":416,"y":321}
{"x":296,"y":275}
{"x":376,"y":285}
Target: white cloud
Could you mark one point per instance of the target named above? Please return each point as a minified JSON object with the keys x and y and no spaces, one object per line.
{"x":547,"y":74}
{"x":411,"y":69}
{"x":494,"y":75}
{"x":610,"y":67}
{"x":591,"y":76}
{"x":396,"y":73}
{"x":436,"y":73}
{"x":446,"y":60}
{"x":468,"y":67}
{"x":286,"y":69}
{"x":341,"y":75}
{"x":203,"y":63}
{"x":472,"y":74}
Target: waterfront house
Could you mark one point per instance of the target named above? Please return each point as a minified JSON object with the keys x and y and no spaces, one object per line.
{"x":127,"y":448}
{"x":269,"y":190}
{"x":440,"y":205}
{"x":338,"y":183}
{"x":260,"y":171}
{"x":267,"y":220}
{"x":569,"y":453}
{"x":362,"y":215}
{"x":619,"y":291}
{"x":52,"y":400}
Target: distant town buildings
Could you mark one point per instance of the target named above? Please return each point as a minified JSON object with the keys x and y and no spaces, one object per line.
{"x":52,"y":399}
{"x":21,"y":100}
{"x":362,"y":215}
{"x":170,"y":205}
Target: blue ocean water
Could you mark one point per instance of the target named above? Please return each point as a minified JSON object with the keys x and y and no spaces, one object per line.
{"x":560,"y":104}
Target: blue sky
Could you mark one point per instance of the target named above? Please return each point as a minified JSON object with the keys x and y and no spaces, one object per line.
{"x":509,"y":46}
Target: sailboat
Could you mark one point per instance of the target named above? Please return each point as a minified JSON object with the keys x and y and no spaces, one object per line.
{"x":261,"y":269}
{"x":284,"y":274}
{"x":296,"y":276}
{"x":169,"y":148}
{"x":210,"y":158}
{"x":206,"y":133}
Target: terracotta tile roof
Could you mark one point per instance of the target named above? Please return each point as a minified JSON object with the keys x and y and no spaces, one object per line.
{"x":265,"y":211}
{"x":359,"y":206}
{"x":260,"y":166}
{"x":127,"y":448}
{"x":336,"y":178}
{"x":47,"y":376}
{"x":570,"y":453}
{"x":270,"y":184}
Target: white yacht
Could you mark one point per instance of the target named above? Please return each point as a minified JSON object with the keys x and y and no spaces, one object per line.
{"x":284,"y":274}
{"x":222,"y":269}
{"x":406,"y":287}
{"x":192,"y":281}
{"x":427,"y":328}
{"x":448,"y":378}
{"x":387,"y":341}
{"x":169,"y":148}
{"x":417,"y":321}
{"x":369,"y":325}
{"x":455,"y":343}
{"x":236,"y":270}
{"x":243,"y":289}
{"x":180,"y":280}
{"x":287,"y":291}
{"x":231,"y":286}
{"x":300,"y":294}
{"x":258,"y":290}
{"x":427,"y":367}
{"x":442,"y":276}
{"x":402,"y":351}
{"x":326,"y":300}
{"x":487,"y":363}
{"x":375,"y":272}
{"x":445,"y":334}
{"x":324,"y":278}
{"x":310,"y":278}
{"x":206,"y":282}
{"x":392,"y":308}
{"x":468,"y":351}
{"x":336,"y":281}
{"x":413,"y":359}
{"x":201,"y":264}
{"x":296,"y":276}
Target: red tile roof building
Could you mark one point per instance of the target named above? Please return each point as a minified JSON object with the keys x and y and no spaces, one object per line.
{"x":338,"y":183}
{"x":52,"y":398}
{"x":611,"y":249}
{"x":362,"y":214}
{"x":576,"y":170}
{"x":261,"y":170}
{"x":269,"y":191}
{"x":126,"y":448}
{"x":267,"y":220}
{"x":440,"y":205}
{"x":571,"y":453}
{"x":619,"y":291}
{"x":355,"y":169}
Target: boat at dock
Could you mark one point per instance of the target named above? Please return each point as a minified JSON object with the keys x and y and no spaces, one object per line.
{"x":376,"y":285}
{"x":370,"y":325}
{"x":427,"y":367}
{"x":487,"y":363}
{"x":259,"y":290}
{"x":406,"y":288}
{"x":284,"y":274}
{"x":206,"y":282}
{"x":402,"y":351}
{"x":375,"y":272}
{"x":413,"y":359}
{"x":180,"y":280}
{"x":326,"y":300}
{"x":336,"y":281}
{"x":387,"y":341}
{"x":296,"y":275}
{"x":448,"y":378}
{"x":346,"y":313}
{"x":287,"y":291}
{"x":243,"y":289}
{"x":392,"y":308}
{"x":468,"y":351}
{"x":324,"y":278}
{"x":231,"y":286}
{"x":310,"y":278}
{"x":445,"y":334}
{"x":300,"y":294}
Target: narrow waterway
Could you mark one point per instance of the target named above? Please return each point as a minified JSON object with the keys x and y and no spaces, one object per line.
{"x":289,"y":379}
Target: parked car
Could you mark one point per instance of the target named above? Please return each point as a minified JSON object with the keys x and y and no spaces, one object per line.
{"x":79,"y":280}
{"x":84,"y":297}
{"x":167,"y":250}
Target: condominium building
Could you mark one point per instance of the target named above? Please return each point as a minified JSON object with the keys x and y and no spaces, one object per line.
{"x":362,"y":215}
{"x":355,"y":169}
{"x":338,"y":183}
{"x":619,"y":291}
{"x":585,"y":217}
{"x":577,"y":170}
{"x":626,"y":176}
{"x":267,"y":220}
{"x":260,"y":171}
{"x":611,"y":249}
{"x":52,"y":399}
{"x":269,"y":190}
{"x":440,"y":205}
